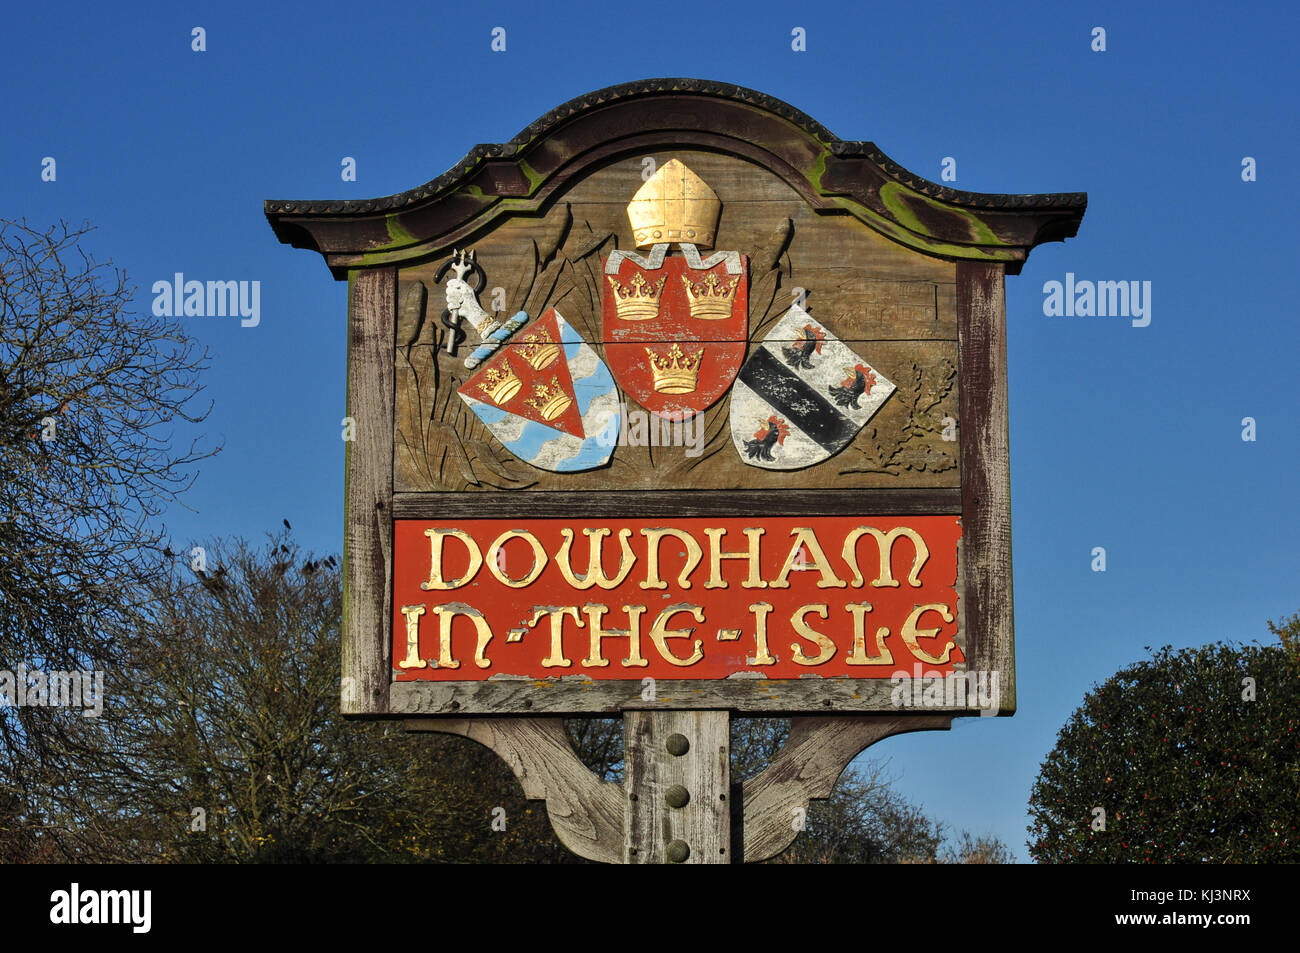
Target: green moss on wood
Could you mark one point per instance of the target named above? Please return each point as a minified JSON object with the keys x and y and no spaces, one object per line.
{"x":535,"y":178}
{"x":920,"y":242}
{"x":895,"y":197}
{"x":398,"y":236}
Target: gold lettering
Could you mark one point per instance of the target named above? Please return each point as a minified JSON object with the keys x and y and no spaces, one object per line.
{"x":436,"y":537}
{"x":494,"y":562}
{"x":755,"y":537}
{"x":413,"y":659}
{"x":595,"y":614}
{"x":693,"y":556}
{"x":882,"y":655}
{"x":761,"y":655}
{"x":660,"y":633}
{"x":595,"y":575}
{"x":911,"y":633}
{"x":557,"y":613}
{"x":806,"y":631}
{"x":806,"y":536}
{"x":446,"y":615}
{"x":885,"y":547}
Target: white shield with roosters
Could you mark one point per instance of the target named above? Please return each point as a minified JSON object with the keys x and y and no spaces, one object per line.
{"x":802,"y":396}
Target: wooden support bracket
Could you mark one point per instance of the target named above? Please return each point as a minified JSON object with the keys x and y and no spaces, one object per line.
{"x":586,"y":812}
{"x":814,"y":756}
{"x":677,"y":804}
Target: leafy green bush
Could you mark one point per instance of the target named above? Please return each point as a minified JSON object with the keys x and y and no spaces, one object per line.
{"x":1194,"y":756}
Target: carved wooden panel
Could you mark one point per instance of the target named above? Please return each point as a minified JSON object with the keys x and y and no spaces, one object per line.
{"x":889,"y":305}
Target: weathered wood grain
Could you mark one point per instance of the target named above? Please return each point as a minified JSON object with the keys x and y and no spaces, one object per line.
{"x":659,"y":116}
{"x":660,"y":827}
{"x":579,"y":695}
{"x":586,"y":812}
{"x":986,"y":488}
{"x":368,"y":519}
{"x":651,"y":503}
{"x":821,"y":241}
{"x":891,"y":305}
{"x":903,"y":445}
{"x":906,"y":271}
{"x":816,"y":753}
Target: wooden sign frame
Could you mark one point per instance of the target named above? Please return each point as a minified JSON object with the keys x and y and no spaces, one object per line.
{"x":366,"y":241}
{"x":983,"y":236}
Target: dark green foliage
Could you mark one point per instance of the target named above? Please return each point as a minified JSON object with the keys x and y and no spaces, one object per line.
{"x":1186,"y":767}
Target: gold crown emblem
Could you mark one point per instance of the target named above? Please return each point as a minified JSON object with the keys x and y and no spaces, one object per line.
{"x":675,"y":372}
{"x":640,"y":302}
{"x":500,"y":383}
{"x":709,"y":300}
{"x":539,"y":350}
{"x":674,"y":205}
{"x":549,"y":400}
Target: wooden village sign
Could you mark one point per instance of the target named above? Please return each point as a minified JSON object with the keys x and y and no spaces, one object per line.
{"x":672,"y":407}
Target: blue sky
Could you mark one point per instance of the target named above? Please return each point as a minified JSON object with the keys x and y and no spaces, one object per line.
{"x":1122,"y":437}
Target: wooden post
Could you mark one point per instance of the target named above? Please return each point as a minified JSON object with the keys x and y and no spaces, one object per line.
{"x":368,"y":529}
{"x":677,"y":779}
{"x":986,"y":474}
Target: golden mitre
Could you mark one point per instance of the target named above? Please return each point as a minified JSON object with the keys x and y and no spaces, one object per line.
{"x":674,"y":205}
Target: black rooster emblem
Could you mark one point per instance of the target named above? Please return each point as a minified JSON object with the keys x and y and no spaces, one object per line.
{"x":798,"y":355}
{"x":860,"y":382}
{"x":760,"y":447}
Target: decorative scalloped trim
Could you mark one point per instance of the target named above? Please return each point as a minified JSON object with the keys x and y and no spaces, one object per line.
{"x":561,"y":114}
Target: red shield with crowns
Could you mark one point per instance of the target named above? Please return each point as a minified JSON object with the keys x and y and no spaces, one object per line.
{"x":675,"y":336}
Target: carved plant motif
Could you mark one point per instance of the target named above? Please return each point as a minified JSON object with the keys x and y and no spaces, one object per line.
{"x":441,"y":444}
{"x":896,"y":450}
